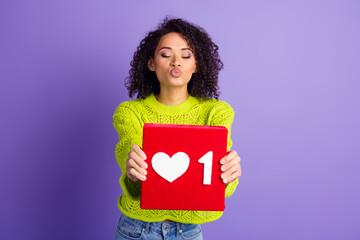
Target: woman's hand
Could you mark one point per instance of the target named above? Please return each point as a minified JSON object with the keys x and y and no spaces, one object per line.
{"x":231,"y":167}
{"x":135,"y":165}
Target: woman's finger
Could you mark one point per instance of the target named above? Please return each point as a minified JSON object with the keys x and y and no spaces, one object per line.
{"x":135,"y":175}
{"x":231,"y":174}
{"x":230,"y":163}
{"x":133,"y":155}
{"x":138,"y":151}
{"x":132,"y":164}
{"x":228,"y":157}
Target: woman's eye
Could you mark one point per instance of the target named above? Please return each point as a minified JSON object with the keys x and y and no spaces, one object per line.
{"x":167,"y":56}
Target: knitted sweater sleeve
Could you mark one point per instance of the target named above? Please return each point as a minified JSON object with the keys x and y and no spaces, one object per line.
{"x":129,"y":129}
{"x":222,"y":114}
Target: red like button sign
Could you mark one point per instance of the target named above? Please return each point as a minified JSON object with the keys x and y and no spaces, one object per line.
{"x":184,"y":167}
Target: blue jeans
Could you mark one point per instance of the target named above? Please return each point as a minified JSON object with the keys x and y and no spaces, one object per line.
{"x":129,"y":228}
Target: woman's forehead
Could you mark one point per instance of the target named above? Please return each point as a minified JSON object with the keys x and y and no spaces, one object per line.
{"x":173,"y":40}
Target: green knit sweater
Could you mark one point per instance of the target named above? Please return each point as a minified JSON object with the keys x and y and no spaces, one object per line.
{"x":129,"y":119}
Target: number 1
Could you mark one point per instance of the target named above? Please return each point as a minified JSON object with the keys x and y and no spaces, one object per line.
{"x":207,"y":161}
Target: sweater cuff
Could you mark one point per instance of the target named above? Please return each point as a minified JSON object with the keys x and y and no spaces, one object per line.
{"x":133,"y":188}
{"x":230,"y":188}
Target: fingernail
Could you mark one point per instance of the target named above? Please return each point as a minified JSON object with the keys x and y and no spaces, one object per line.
{"x":223,"y":168}
{"x":143,"y":178}
{"x":223,"y":176}
{"x":144,"y":156}
{"x":225,"y":181}
{"x":144,"y":165}
{"x":144,"y":171}
{"x":222,"y":161}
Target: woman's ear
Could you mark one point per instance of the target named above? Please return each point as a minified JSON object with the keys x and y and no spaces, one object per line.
{"x":151,"y":64}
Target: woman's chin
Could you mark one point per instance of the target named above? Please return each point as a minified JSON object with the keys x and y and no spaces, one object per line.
{"x":175,"y":82}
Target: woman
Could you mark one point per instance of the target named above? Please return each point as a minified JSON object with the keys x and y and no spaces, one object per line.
{"x":175,"y":75}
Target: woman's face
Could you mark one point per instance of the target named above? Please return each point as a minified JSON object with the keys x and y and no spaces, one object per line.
{"x":173,"y":61}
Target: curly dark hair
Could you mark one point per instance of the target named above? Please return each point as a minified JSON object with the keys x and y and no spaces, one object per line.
{"x":203,"y":83}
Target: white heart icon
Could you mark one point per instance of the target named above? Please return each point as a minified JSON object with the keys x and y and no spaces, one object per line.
{"x":170,"y":168}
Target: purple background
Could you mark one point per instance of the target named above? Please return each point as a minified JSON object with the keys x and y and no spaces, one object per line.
{"x":291,"y":74}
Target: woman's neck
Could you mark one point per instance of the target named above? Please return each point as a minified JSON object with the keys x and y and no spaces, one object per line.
{"x":172,"y":97}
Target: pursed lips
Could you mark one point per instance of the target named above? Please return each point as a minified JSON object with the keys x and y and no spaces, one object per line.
{"x":175,"y":72}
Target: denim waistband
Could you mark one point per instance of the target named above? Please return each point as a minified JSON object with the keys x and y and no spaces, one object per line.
{"x":156,"y":226}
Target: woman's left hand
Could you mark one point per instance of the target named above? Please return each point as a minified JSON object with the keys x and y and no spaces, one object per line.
{"x":231,"y":167}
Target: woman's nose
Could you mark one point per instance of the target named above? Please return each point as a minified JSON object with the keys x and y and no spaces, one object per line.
{"x":175,"y":62}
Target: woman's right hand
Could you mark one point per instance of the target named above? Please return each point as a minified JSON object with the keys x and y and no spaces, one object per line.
{"x":136,"y":165}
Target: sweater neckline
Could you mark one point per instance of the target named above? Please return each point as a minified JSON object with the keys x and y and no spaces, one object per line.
{"x":172,"y":110}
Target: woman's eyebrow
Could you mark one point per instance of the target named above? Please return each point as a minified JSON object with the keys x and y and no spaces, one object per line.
{"x":171,"y":48}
